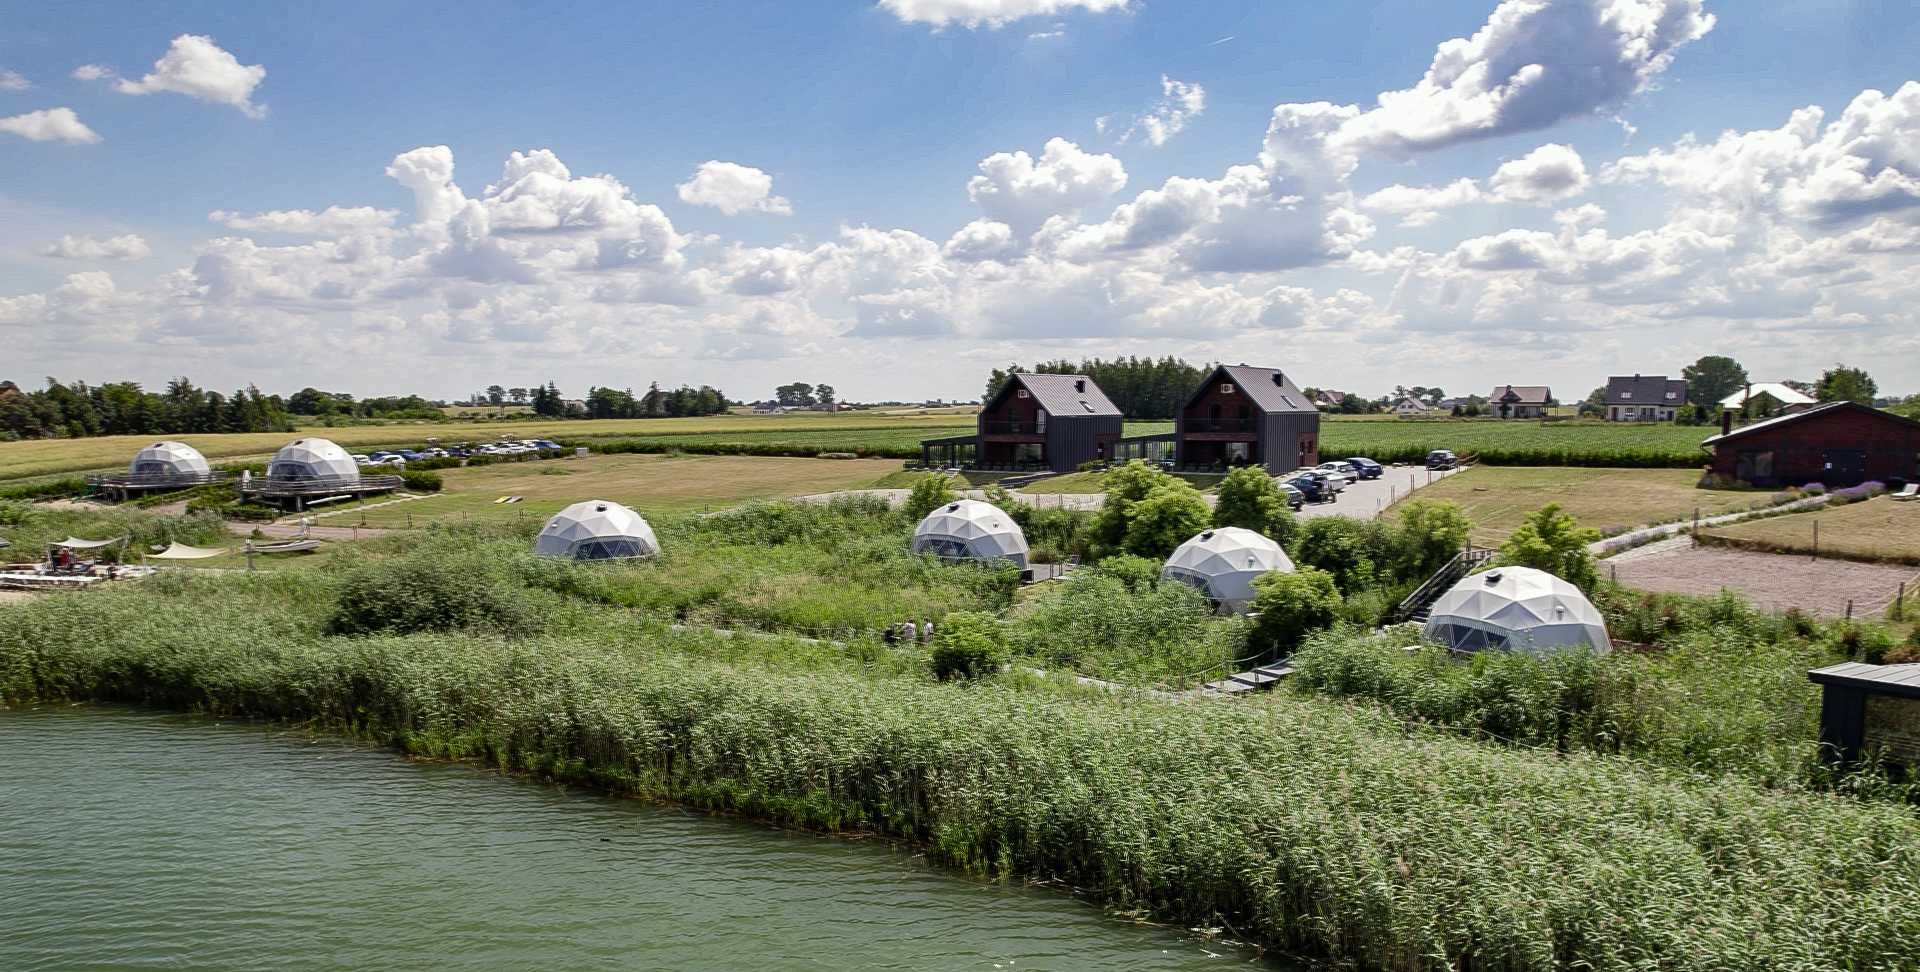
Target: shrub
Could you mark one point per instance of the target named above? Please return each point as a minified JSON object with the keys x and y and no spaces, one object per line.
{"x":1125,"y":486}
{"x":1251,"y":500}
{"x":1348,"y":550}
{"x":1097,"y":624}
{"x":1433,"y":532}
{"x":967,"y":645}
{"x":420,"y":481}
{"x":1289,"y":605}
{"x":929,"y":493}
{"x":1137,"y":573}
{"x":1171,"y":514}
{"x":14,"y":512}
{"x":429,"y":593}
{"x":1551,"y":540}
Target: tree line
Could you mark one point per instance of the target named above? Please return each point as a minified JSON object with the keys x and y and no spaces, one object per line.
{"x":1142,"y":388}
{"x":78,"y":410}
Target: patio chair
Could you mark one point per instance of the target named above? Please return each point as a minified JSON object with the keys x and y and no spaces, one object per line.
{"x":1912,"y":491}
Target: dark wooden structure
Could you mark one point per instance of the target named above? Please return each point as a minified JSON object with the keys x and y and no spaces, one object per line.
{"x":1837,"y":444}
{"x":1246,"y":416}
{"x":1035,"y":422}
{"x":121,"y":487}
{"x":1866,"y":707}
{"x":302,"y":493}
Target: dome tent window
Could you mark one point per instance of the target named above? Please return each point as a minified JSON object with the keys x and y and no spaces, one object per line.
{"x":597,"y":530}
{"x":971,"y":530}
{"x":1224,"y":562}
{"x":1516,"y":609}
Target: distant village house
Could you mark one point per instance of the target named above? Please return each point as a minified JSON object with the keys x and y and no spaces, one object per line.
{"x":1645,"y":398}
{"x":1519,"y":401}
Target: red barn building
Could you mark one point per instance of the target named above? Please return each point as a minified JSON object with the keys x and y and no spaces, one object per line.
{"x":1838,"y":444}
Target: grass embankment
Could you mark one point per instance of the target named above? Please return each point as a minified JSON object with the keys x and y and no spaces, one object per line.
{"x":653,"y":484}
{"x":1497,"y":498}
{"x":1877,"y":530}
{"x":1518,"y":443}
{"x":1300,"y":825}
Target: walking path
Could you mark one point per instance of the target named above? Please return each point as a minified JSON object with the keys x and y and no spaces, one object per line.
{"x":1644,"y":535}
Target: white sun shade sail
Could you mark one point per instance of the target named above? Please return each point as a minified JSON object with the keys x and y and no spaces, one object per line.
{"x":313,"y":459}
{"x":596,"y":530}
{"x":169,"y":460}
{"x":971,"y":530}
{"x":1223,"y":564}
{"x":180,"y":551}
{"x":75,"y":543}
{"x":1516,"y":609}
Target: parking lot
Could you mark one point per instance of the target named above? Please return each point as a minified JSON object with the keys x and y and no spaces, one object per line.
{"x":1368,"y":498}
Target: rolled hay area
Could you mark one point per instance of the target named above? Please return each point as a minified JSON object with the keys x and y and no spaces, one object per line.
{"x":1309,"y":827}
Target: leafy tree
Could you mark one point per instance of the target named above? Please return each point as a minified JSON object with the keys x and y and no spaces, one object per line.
{"x":1170,"y":514}
{"x":968,"y":644}
{"x":929,"y":493}
{"x":1345,"y":548}
{"x":1433,"y":532}
{"x":518,"y":395}
{"x":1713,"y":377}
{"x":1595,"y":403}
{"x":1250,"y":499}
{"x":824,"y":393}
{"x":1290,"y":605}
{"x":1125,"y":486}
{"x":1139,"y":574}
{"x":1550,"y":539}
{"x":1843,"y":384}
{"x":795,"y":394}
{"x":496,"y":395}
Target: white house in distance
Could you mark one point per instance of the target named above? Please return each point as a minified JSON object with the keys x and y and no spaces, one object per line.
{"x":1411,"y":407}
{"x":1645,"y":398}
{"x":1768,"y":398}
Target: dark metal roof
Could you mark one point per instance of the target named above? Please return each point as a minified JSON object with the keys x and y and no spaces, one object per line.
{"x":1647,"y":390}
{"x":1270,"y":388}
{"x":1522,"y":394}
{"x":1901,"y":680}
{"x":1065,"y":396}
{"x":1827,"y":408}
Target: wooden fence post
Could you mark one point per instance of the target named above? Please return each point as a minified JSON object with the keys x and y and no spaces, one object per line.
{"x":1816,"y":540}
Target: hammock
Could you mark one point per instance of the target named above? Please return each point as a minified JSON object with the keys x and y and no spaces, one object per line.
{"x":180,"y":551}
{"x":75,"y":543}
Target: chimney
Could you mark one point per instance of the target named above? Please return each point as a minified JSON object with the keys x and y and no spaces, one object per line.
{"x":1280,"y":378}
{"x":1080,"y":384}
{"x":1726,"y":421}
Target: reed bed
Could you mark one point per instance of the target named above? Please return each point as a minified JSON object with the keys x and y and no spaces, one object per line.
{"x":1310,"y":828}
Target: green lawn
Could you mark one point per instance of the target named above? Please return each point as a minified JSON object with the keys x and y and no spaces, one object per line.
{"x":1611,"y":500}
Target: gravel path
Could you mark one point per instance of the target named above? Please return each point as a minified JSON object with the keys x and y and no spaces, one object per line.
{"x":1772,"y":582}
{"x":1601,"y":548}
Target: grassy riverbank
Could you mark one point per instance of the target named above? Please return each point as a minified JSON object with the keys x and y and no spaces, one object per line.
{"x":1308,"y":826}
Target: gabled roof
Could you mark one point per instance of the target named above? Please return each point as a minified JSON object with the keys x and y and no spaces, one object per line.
{"x":1064,"y":396}
{"x":1818,"y":411}
{"x":1523,"y":394}
{"x":1783,"y":394}
{"x":1647,"y":390}
{"x":1270,"y":388}
{"x":1412,"y":404}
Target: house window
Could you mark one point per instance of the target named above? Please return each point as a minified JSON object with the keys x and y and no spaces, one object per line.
{"x":1226,"y":389}
{"x":1626,"y":394}
{"x":1022,"y":393}
{"x":1088,"y":406}
{"x":1672,"y":395}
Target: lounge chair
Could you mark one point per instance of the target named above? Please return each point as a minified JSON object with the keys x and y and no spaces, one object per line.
{"x":1911,"y":492}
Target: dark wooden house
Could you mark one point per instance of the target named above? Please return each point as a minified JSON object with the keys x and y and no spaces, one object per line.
{"x":1838,"y":444}
{"x":1869,"y":708}
{"x":1051,"y":422}
{"x":1244,"y":416}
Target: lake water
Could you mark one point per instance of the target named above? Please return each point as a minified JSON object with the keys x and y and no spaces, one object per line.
{"x":129,"y":838}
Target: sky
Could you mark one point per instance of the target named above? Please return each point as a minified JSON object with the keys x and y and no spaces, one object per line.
{"x":895,"y":197}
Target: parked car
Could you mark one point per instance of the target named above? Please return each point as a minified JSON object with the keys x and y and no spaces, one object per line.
{"x":1341,"y":467}
{"x":1295,"y":498}
{"x":1365,"y":468}
{"x":548,"y":444}
{"x":1335,"y":479}
{"x":1442,"y":459}
{"x":1313,"y":487}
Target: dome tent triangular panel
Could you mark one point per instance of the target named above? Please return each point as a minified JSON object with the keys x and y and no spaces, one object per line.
{"x":313,"y":459}
{"x":169,"y":460}
{"x":971,"y":530}
{"x":596,"y":530}
{"x":1224,"y":562}
{"x":1518,"y":609}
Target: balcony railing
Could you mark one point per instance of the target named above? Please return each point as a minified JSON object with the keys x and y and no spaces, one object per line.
{"x":1217,"y":425}
{"x":1012,"y":427}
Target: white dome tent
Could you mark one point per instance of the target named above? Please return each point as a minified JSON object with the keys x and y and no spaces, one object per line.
{"x":169,"y":461}
{"x":313,"y":460}
{"x":1517,"y":609}
{"x":1223,"y":564}
{"x":597,"y":530}
{"x":971,"y":530}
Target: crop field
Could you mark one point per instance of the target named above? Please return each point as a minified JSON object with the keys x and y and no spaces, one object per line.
{"x":1516,"y":443}
{"x":1497,"y":498}
{"x":651,"y":484}
{"x":1878,"y":530}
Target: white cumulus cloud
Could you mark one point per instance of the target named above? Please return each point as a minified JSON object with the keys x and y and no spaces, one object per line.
{"x":129,"y":246}
{"x":1534,"y":64}
{"x":194,"y":66}
{"x":989,"y":13}
{"x":332,"y":221}
{"x":1548,"y":174}
{"x":733,"y":188}
{"x":1016,"y":189}
{"x":13,"y":81}
{"x":50,"y":125}
{"x":1180,"y":102}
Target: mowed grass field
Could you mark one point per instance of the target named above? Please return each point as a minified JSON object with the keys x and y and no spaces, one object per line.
{"x":1516,"y":443}
{"x":651,"y":484}
{"x":1497,"y":498}
{"x":46,"y":456}
{"x":1879,"y":530}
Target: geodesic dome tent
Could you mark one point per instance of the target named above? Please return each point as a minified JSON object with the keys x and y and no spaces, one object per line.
{"x":971,"y":530}
{"x":596,"y":530}
{"x":313,"y":460}
{"x":169,"y":460}
{"x":1516,"y":609}
{"x":1223,"y":563}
